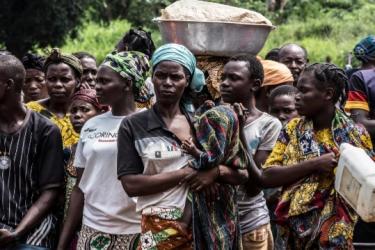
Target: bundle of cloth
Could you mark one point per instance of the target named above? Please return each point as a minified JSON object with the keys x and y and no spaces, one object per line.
{"x":215,"y":223}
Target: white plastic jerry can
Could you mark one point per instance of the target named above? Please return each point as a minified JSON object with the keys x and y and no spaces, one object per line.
{"x":355,"y":180}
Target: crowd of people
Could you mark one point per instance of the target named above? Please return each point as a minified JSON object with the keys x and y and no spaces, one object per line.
{"x":155,"y":148}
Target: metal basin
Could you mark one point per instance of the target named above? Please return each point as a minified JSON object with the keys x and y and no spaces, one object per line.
{"x":215,"y":38}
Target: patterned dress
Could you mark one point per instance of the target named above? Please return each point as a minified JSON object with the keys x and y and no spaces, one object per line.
{"x":70,"y":137}
{"x":310,"y":213}
{"x":216,"y":224}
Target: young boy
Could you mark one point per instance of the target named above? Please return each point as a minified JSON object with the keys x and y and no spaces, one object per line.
{"x":282,"y":103}
{"x":242,"y":77}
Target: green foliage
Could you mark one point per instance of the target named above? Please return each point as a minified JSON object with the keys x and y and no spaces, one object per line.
{"x":25,"y":24}
{"x":107,"y":10}
{"x":256,"y":5}
{"x":303,"y":10}
{"x":37,"y":24}
{"x":98,"y":39}
{"x":326,"y":32}
{"x":331,"y":33}
{"x":142,"y":12}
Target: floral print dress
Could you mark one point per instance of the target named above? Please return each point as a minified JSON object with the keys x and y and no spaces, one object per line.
{"x":310,"y":213}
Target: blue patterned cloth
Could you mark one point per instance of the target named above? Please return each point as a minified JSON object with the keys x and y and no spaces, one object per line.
{"x":365,"y":49}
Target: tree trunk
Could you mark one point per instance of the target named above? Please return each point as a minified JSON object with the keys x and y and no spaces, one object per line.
{"x":276,"y":5}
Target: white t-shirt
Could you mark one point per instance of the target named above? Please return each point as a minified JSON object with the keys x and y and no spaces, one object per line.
{"x":261,"y":134}
{"x":107,"y":207}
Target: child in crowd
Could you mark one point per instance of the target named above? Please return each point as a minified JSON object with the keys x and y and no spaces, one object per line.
{"x":282,"y":103}
{"x":84,"y":105}
{"x":242,"y":78}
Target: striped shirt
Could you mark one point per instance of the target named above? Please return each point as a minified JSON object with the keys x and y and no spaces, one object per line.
{"x":36,"y":164}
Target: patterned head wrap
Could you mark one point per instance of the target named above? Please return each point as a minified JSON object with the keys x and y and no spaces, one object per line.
{"x":132,"y":65}
{"x":56,"y":56}
{"x":275,"y":73}
{"x":180,"y":54}
{"x":33,"y":61}
{"x":365,"y":49}
{"x":87,"y":95}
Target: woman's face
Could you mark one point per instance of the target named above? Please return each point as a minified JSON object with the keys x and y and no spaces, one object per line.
{"x":61,"y":82}
{"x":110,"y":86}
{"x":89,"y":71}
{"x":283,"y":108}
{"x":170,"y":81}
{"x":80,"y":112}
{"x":35,"y":85}
{"x":310,"y":100}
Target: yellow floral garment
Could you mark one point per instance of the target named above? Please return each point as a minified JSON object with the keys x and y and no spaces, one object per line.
{"x":146,"y":105}
{"x":69,"y":136}
{"x":310,"y":212}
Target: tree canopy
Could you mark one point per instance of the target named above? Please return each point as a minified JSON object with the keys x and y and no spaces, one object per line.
{"x":25,"y":24}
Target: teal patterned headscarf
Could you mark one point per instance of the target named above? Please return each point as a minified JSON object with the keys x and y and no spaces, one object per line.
{"x":180,"y":54}
{"x":134,"y":66}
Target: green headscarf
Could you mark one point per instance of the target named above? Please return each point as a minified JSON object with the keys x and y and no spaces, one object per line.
{"x":132,"y":65}
{"x":56,"y":57}
{"x":180,"y":54}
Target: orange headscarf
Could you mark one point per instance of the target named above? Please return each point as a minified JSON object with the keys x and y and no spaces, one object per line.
{"x":276,"y":73}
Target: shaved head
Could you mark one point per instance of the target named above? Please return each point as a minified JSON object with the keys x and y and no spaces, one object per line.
{"x":12,"y":68}
{"x":293,"y":47}
{"x":294,"y":57}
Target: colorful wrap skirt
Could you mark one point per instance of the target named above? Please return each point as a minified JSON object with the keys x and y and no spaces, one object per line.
{"x":91,"y":239}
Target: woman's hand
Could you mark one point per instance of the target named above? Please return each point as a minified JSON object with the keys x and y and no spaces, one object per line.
{"x":189,"y":173}
{"x":202,"y":179}
{"x":326,"y":163}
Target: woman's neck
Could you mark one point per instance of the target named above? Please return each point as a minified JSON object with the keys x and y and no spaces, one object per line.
{"x":168,"y":110}
{"x":125,"y":107}
{"x":58,"y":108}
{"x":324,"y":119}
